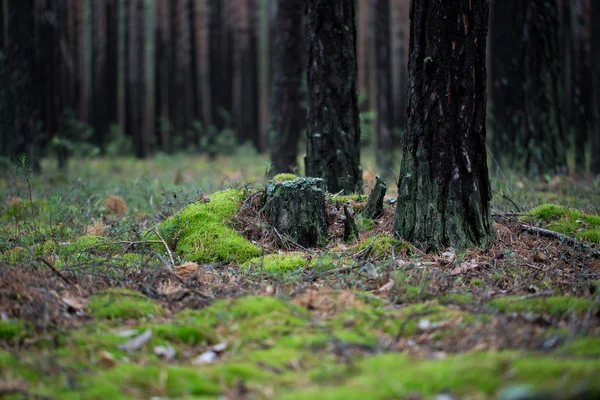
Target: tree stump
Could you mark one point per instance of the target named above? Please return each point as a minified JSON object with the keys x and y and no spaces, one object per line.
{"x":296,"y":208}
{"x":374,"y":206}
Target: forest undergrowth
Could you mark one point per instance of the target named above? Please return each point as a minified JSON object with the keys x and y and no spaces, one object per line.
{"x":163,"y":279}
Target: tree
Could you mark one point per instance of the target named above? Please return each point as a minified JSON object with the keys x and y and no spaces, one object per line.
{"x":595,"y":37}
{"x":385,"y":120}
{"x":286,"y":111}
{"x":333,"y":136}
{"x":528,"y":128}
{"x":444,"y":192}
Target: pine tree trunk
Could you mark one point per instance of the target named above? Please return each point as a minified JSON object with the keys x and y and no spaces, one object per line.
{"x":121,"y":64}
{"x":333,"y":145}
{"x":164,"y":54}
{"x":385,"y":143}
{"x":528,"y":127}
{"x":364,"y":7}
{"x":99,"y":45}
{"x":148,"y":121}
{"x":85,"y":60}
{"x":581,"y":76}
{"x":595,"y":44}
{"x":288,"y":66}
{"x":444,"y":193}
{"x":399,"y":27}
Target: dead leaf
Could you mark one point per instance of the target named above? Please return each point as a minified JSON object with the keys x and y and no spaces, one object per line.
{"x":464,"y":267}
{"x":184,"y":271}
{"x":386,"y":288}
{"x":107,"y":359}
{"x":137,"y":342}
{"x":76,"y":304}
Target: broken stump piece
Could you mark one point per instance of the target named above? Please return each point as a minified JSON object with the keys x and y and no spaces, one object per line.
{"x":296,"y":208}
{"x":374,"y":206}
{"x":350,"y":229}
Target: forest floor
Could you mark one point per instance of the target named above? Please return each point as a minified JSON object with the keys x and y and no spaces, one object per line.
{"x":106,"y":293}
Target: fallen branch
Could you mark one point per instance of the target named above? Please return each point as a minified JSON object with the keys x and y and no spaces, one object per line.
{"x":557,"y":235}
{"x":166,"y":247}
{"x":53,"y":269}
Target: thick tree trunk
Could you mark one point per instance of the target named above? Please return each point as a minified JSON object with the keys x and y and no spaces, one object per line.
{"x":297,"y":209}
{"x":22,"y":80}
{"x":149,"y":112}
{"x":528,"y":127}
{"x":286,"y":111}
{"x":385,"y":142}
{"x":165,"y":66}
{"x":399,"y":27}
{"x":121,"y":64}
{"x":444,"y":193}
{"x":364,"y":7}
{"x":595,"y":45}
{"x":333,"y":146}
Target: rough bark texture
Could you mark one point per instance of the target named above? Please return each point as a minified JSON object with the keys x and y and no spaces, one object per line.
{"x":444,"y":194}
{"x":595,"y":13}
{"x":297,"y":208}
{"x":286,"y":111}
{"x":528,"y":128}
{"x":333,"y":137}
{"x":350,"y":228}
{"x":374,"y":206}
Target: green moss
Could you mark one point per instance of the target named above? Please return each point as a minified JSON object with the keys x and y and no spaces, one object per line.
{"x":185,"y":333}
{"x":356,"y":198}
{"x":382,"y":245}
{"x":473,"y":375}
{"x":284,"y":177}
{"x":569,"y":221}
{"x":203,"y":233}
{"x":12,"y":329}
{"x":555,"y":305}
{"x":583,"y":347}
{"x":122,"y":303}
{"x":278,"y":262}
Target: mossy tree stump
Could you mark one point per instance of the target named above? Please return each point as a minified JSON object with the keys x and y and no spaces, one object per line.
{"x":374,"y":206}
{"x":296,"y":208}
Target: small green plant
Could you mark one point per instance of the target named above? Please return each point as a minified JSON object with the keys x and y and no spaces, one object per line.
{"x":118,"y":144}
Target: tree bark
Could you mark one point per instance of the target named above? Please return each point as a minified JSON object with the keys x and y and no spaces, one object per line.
{"x":333,"y":145}
{"x":444,"y":193}
{"x":595,"y":44}
{"x":286,"y":111}
{"x":385,"y":142}
{"x":528,"y":127}
{"x":296,"y":208}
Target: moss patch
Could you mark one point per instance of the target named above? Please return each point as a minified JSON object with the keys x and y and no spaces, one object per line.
{"x":202,"y":231}
{"x":382,"y":245}
{"x":284,"y":177}
{"x":12,"y":329}
{"x":278,"y":262}
{"x":570,"y":221}
{"x":122,"y":303}
{"x":554,"y":305}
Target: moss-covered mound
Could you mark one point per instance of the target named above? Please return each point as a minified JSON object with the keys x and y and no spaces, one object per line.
{"x":570,"y":221}
{"x":202,"y":231}
{"x":121,"y":303}
{"x":283,"y":262}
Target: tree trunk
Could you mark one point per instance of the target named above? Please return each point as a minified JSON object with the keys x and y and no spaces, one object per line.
{"x":580,"y":77}
{"x":362,"y":50}
{"x":385,"y":143}
{"x":399,"y":26}
{"x":149,"y":112}
{"x":85,"y":59}
{"x":288,"y":66}
{"x":23,"y":82}
{"x":121,"y":64}
{"x":297,"y":209}
{"x":528,"y":128}
{"x":595,"y":44}
{"x":164,"y":54}
{"x":443,"y":192}
{"x":333,"y":145}
{"x":263,"y":67}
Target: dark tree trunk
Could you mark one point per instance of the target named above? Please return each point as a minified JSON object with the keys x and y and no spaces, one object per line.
{"x":527,"y":93}
{"x":286,"y":122}
{"x":444,"y":193}
{"x":595,"y":45}
{"x":24,"y":99}
{"x":580,"y":77}
{"x":399,"y":26}
{"x":333,"y":145}
{"x":385,"y":143}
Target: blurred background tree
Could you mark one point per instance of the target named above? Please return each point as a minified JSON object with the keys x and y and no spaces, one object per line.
{"x":204,"y":76}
